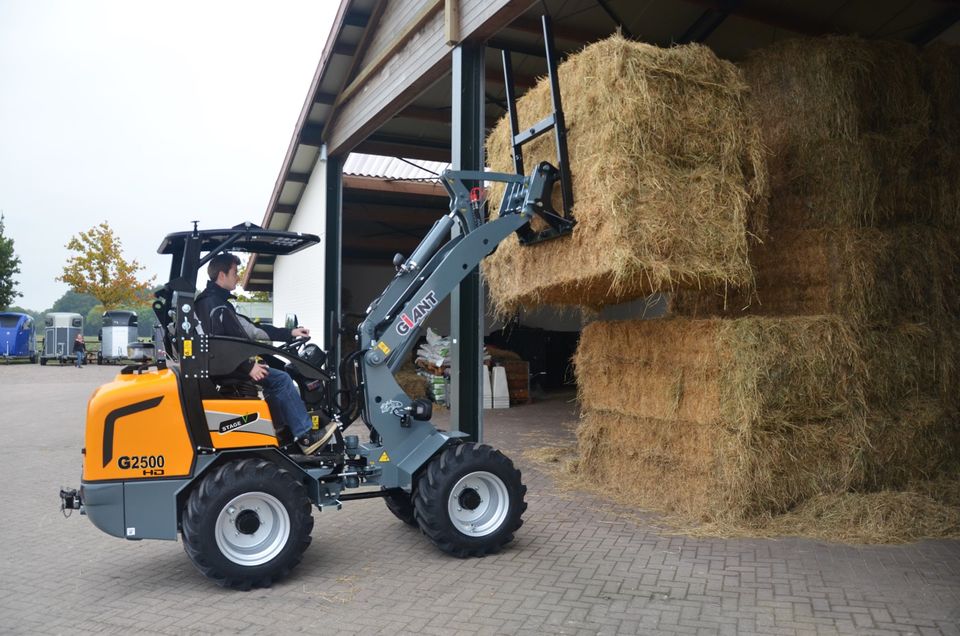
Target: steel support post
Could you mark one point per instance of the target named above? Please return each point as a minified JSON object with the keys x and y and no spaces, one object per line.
{"x":333,"y":253}
{"x":466,"y":302}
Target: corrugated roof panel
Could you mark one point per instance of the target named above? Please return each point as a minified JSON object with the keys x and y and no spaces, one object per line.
{"x":393,"y":168}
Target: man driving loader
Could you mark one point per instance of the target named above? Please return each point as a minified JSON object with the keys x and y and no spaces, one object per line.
{"x":219,"y":318}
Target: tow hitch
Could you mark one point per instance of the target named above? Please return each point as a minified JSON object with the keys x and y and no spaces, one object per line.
{"x":70,"y":501}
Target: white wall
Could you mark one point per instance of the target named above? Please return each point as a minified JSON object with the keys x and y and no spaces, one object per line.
{"x":298,"y":278}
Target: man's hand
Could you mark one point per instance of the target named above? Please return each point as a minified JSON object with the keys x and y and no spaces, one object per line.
{"x":296,"y":332}
{"x":259,"y":372}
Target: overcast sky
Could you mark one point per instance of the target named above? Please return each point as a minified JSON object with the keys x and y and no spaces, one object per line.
{"x":146,"y":115}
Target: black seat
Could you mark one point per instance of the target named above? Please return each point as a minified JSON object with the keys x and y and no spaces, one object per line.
{"x":230,"y":388}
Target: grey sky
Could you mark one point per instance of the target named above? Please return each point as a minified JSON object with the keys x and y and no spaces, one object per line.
{"x":146,"y":115}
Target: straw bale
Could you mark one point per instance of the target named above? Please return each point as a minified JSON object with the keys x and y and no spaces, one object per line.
{"x":941,"y":73}
{"x":412,"y":383}
{"x":868,"y":275}
{"x":714,"y":472}
{"x":668,"y":177}
{"x":844,"y":120}
{"x":919,"y":439}
{"x":910,"y":361}
{"x":739,"y":374}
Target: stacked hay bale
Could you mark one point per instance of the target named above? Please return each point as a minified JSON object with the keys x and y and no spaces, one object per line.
{"x":870,"y":238}
{"x":833,"y":368}
{"x":667,"y":173}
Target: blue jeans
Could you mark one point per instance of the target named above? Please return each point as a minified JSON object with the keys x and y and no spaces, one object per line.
{"x":285,"y":404}
{"x":79,"y":358}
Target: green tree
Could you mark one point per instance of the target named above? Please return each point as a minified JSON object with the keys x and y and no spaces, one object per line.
{"x":9,"y":265}
{"x":74,"y":303}
{"x":257,"y":296}
{"x":36,"y":315}
{"x":99,"y":269}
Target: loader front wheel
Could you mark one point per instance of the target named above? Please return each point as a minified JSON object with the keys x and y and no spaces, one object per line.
{"x":247,"y":524}
{"x":469,"y":500}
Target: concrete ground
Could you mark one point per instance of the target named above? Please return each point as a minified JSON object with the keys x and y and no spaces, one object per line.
{"x":578,"y":565}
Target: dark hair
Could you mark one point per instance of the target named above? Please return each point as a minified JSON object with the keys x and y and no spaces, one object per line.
{"x":221,"y":263}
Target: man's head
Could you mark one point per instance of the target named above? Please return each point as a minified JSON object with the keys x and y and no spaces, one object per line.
{"x":222,"y":270}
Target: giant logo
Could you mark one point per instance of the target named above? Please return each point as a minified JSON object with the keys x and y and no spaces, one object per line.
{"x":420,"y":311}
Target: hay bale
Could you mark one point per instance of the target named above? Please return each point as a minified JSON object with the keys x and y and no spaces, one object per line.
{"x":911,"y":361}
{"x":667,"y":170}
{"x":412,"y":383}
{"x":941,"y":74}
{"x":743,"y":374}
{"x":844,"y":120}
{"x":915,"y":440}
{"x":712,"y":473}
{"x":869,"y":276}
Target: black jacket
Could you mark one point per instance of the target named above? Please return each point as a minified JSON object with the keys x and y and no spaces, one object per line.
{"x":79,"y":346}
{"x":218,"y":317}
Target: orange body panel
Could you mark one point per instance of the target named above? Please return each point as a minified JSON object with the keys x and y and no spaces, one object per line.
{"x":257,"y":418}
{"x":136,"y":429}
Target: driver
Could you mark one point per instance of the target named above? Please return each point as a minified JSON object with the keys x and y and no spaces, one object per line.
{"x":220,"y":318}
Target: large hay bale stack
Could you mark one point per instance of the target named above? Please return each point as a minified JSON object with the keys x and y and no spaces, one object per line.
{"x":722,"y":419}
{"x":667,"y":171}
{"x":844,"y":120}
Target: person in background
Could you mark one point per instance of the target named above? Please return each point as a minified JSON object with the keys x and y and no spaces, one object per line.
{"x":79,"y":349}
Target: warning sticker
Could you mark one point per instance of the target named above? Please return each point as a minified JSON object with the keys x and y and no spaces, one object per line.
{"x":384,"y":457}
{"x":382,"y":346}
{"x":187,"y":348}
{"x":316,"y":421}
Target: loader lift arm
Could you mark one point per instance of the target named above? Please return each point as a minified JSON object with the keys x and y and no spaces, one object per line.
{"x":426,"y":278}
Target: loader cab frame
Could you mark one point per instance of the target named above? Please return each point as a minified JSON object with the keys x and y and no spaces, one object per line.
{"x":198,"y":357}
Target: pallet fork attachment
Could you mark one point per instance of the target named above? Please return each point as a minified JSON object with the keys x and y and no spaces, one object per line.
{"x":560,"y":222}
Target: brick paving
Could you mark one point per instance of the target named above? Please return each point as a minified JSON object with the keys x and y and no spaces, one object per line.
{"x":578,"y":566}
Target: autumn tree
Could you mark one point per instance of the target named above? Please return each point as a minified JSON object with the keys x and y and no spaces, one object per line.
{"x":97,"y":267}
{"x":9,"y":265}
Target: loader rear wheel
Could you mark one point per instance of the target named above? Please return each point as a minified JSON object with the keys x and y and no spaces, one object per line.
{"x":469,"y":500}
{"x":401,"y":505}
{"x":247,"y":524}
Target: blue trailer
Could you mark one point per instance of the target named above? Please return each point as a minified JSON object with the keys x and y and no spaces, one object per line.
{"x":17,"y":339}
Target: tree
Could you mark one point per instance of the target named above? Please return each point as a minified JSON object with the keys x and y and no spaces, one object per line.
{"x":99,"y":269}
{"x":9,"y":265}
{"x":74,"y":303}
{"x":257,"y":296}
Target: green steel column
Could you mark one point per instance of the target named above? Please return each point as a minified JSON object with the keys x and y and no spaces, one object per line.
{"x":466,"y":303}
{"x":333,"y":253}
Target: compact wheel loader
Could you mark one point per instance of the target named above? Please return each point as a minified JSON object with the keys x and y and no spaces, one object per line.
{"x":173,"y":447}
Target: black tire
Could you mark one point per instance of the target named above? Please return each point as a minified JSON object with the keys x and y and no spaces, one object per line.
{"x":218,"y":503}
{"x":43,"y":362}
{"x":33,"y":358}
{"x":477,"y":471}
{"x":99,"y":358}
{"x":401,"y":505}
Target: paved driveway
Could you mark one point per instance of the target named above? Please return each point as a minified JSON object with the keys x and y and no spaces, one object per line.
{"x":578,"y":566}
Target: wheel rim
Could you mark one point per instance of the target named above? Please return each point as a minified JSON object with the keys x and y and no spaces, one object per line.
{"x":252,"y":528}
{"x":478,"y":504}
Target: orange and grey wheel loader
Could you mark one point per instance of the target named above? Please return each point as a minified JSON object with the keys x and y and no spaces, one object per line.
{"x":174,"y":447}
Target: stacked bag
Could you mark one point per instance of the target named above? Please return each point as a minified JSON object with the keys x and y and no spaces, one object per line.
{"x":801,"y":211}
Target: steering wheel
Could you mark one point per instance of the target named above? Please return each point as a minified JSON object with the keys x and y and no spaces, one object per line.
{"x":294,"y":344}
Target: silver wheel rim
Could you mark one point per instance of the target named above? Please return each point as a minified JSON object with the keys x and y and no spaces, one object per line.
{"x":261,"y":545}
{"x":488,"y":494}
